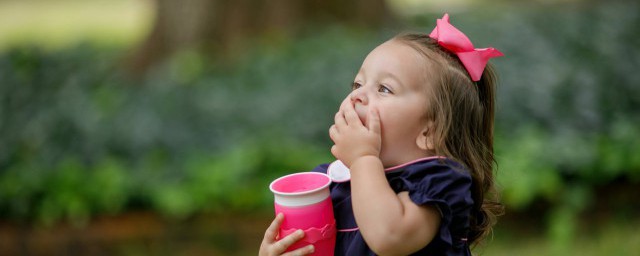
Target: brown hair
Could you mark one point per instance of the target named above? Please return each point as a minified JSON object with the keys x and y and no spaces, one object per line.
{"x":462,"y":112}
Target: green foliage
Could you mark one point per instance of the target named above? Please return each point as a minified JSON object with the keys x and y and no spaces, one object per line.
{"x":567,"y":118}
{"x":196,"y":135}
{"x":236,"y":179}
{"x":522,"y":174}
{"x":79,"y":139}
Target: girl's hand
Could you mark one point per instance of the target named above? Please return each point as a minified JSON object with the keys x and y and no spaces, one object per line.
{"x":351,"y":137}
{"x":271,"y":247}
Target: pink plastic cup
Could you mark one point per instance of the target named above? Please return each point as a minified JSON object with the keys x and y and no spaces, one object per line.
{"x":304,"y":200}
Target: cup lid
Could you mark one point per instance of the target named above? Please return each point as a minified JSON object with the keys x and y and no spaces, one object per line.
{"x":339,"y":172}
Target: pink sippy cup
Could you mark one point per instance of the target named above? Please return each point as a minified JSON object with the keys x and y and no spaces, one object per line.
{"x":304,"y":200}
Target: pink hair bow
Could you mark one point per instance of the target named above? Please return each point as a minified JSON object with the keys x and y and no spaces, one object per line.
{"x":452,"y":39}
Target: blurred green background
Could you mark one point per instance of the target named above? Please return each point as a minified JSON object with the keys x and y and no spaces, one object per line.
{"x":141,"y":127}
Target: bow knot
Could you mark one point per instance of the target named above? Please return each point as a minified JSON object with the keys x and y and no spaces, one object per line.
{"x":473,"y":59}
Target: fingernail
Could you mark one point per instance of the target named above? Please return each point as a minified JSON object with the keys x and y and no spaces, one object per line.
{"x":310,"y":248}
{"x":299,"y":232}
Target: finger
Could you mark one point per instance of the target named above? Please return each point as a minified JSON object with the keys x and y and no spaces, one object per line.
{"x":373,"y":121}
{"x":289,"y":240}
{"x":333,"y":132}
{"x":351,"y":116}
{"x":301,"y":251}
{"x":334,"y":151}
{"x":272,"y":231}
{"x":345,"y":102}
{"x":339,"y":119}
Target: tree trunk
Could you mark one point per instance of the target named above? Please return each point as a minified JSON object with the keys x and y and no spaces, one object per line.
{"x":218,"y":27}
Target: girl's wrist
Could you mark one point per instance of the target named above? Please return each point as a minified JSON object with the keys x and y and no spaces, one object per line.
{"x":365,"y":161}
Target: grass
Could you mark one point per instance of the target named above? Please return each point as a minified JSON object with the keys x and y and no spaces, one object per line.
{"x":610,"y":237}
{"x":57,"y":24}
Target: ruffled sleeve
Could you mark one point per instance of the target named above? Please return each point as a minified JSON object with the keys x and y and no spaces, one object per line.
{"x":445,"y":184}
{"x":322,"y":168}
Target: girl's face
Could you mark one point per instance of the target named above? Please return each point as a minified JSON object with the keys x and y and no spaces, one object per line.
{"x":392,"y":80}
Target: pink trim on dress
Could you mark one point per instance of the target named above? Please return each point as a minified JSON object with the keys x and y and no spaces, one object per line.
{"x":348,"y":230}
{"x":413,"y":162}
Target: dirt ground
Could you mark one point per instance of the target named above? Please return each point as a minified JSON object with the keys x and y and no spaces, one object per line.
{"x":139,"y":233}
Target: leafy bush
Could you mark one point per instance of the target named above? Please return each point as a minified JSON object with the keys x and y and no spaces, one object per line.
{"x":568,"y":103}
{"x":197,"y":135}
{"x":80,"y":139}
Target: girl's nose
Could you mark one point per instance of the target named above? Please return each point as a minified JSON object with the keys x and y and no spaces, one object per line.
{"x":359,"y":96}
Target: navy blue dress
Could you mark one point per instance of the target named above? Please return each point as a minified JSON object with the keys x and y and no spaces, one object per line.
{"x":436,"y":181}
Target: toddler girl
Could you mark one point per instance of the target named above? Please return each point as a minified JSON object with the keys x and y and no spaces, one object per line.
{"x":416,"y":133}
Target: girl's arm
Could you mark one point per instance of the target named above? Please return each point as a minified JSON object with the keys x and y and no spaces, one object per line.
{"x":390,"y":223}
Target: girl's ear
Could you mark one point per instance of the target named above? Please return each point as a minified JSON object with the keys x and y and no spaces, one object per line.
{"x":425,"y":140}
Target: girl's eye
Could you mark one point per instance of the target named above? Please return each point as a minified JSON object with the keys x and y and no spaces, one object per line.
{"x":384,"y":89}
{"x":355,"y":86}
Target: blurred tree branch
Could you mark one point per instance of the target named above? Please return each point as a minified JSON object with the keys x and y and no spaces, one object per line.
{"x":218,"y":27}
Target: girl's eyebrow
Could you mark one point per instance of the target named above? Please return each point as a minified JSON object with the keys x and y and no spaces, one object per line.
{"x":383,"y":75}
{"x":393,"y":77}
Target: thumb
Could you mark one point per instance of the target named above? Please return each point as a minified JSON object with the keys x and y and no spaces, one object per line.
{"x":374,"y":121}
